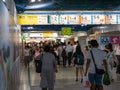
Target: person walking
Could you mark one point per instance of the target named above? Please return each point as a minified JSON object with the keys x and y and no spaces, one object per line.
{"x":69,"y":50}
{"x":100,"y":61}
{"x":48,"y":69}
{"x":27,"y":56}
{"x":111,"y":60}
{"x":79,"y":61}
{"x":117,"y":52}
{"x":64,"y":54}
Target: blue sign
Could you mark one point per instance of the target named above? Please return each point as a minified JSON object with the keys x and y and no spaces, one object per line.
{"x":104,"y":40}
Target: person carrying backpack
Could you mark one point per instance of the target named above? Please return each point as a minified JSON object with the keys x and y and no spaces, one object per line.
{"x":64,"y":54}
{"x":79,"y":61}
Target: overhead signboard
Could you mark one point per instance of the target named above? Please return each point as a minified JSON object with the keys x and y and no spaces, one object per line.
{"x":66,"y":31}
{"x":85,"y":19}
{"x":54,"y":19}
{"x":70,"y":18}
{"x":111,"y":19}
{"x":74,"y":19}
{"x":27,"y":19}
{"x":98,"y":19}
{"x":64,"y":19}
{"x":42,"y":19}
{"x":118,"y":19}
{"x":50,"y":34}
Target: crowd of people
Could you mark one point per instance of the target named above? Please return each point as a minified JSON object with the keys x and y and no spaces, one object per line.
{"x":54,"y":55}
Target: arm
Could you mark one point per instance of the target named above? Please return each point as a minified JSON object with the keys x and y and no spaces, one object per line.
{"x":105,"y":65}
{"x":87,"y":66}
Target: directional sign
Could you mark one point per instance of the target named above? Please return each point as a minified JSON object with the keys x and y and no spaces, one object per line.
{"x":66,"y":31}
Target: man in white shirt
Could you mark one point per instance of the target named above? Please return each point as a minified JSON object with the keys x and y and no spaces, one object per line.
{"x":69,"y":50}
{"x":100,"y":61}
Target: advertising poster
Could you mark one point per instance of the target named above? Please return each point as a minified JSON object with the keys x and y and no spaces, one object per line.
{"x":104,"y":40}
{"x":9,"y":50}
{"x":114,"y":40}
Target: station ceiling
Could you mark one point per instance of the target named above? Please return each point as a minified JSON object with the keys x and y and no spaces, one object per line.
{"x":43,"y":5}
{"x":23,"y":5}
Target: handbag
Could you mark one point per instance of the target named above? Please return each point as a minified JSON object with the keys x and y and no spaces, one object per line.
{"x":97,"y":70}
{"x":106,"y":79}
{"x":85,"y":82}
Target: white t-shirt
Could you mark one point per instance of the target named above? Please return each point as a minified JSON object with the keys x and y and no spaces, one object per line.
{"x":26,"y":52}
{"x":74,"y":48}
{"x":99,"y":56}
{"x":117,"y":51}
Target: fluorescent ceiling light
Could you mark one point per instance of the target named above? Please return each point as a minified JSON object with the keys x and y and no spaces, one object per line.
{"x":35,"y":6}
{"x":32,"y":0}
{"x":3,"y":0}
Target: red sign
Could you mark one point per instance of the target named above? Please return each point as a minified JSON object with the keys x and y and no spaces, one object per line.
{"x":114,"y":39}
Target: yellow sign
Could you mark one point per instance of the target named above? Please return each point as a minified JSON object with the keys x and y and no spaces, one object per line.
{"x":48,"y":34}
{"x":27,"y":19}
{"x":66,"y":31}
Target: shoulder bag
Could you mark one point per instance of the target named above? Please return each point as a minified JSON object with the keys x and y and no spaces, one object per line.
{"x":98,"y":71}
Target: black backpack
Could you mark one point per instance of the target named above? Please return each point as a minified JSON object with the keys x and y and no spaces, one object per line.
{"x":63,"y":54}
{"x":79,"y":59}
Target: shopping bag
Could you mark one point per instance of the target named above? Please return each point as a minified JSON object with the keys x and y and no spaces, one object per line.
{"x":86,"y":82}
{"x":106,"y":79}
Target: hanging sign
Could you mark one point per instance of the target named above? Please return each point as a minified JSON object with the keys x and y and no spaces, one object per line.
{"x":66,"y":31}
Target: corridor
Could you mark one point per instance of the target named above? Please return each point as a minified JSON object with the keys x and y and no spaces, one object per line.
{"x":65,"y":80}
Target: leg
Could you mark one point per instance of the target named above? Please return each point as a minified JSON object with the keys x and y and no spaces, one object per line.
{"x":118,"y":66}
{"x":92,"y":87}
{"x":81,"y":73}
{"x":51,"y":89}
{"x":92,"y":81}
{"x":76,"y":74}
{"x":44,"y":88}
{"x":98,"y":82}
{"x":69,"y":58}
{"x":100,"y":87}
{"x":64,"y":61}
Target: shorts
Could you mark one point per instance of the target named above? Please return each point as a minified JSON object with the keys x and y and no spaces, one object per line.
{"x":78,"y":66}
{"x":95,"y":79}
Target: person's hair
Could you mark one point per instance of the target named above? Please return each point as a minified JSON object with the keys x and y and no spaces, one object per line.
{"x":94,"y":43}
{"x":110,"y":47}
{"x":87,"y":48}
{"x":47,"y":48}
{"x":78,"y":49}
{"x":69,"y":42}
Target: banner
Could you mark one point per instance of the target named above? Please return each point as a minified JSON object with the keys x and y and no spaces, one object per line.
{"x":114,"y":39}
{"x":104,"y":40}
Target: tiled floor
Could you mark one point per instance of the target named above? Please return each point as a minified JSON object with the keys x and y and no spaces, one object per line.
{"x":65,"y":80}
